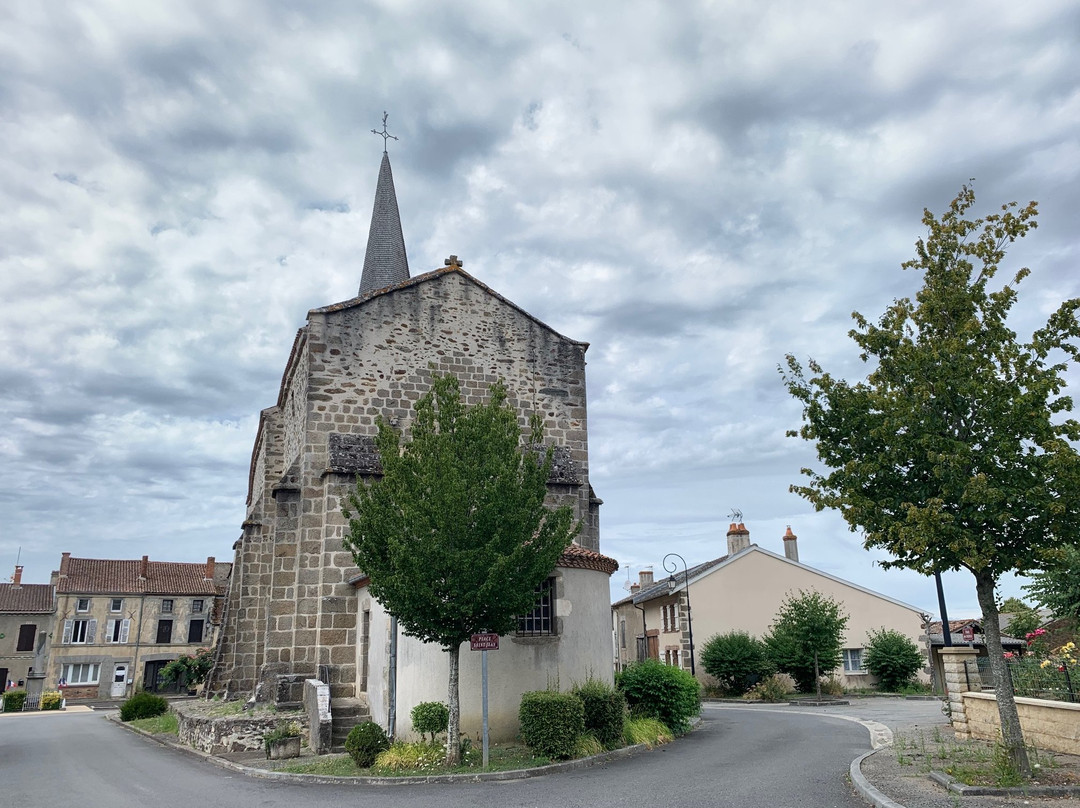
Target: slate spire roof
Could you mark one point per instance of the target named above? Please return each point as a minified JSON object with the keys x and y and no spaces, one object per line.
{"x":385,"y":262}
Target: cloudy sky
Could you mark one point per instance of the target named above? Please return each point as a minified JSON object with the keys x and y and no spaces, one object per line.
{"x":694,"y":188}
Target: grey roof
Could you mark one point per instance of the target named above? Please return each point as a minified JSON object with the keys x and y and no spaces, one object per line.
{"x":385,"y":262}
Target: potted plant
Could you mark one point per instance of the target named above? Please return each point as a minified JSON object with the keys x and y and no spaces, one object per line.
{"x":283,"y":741}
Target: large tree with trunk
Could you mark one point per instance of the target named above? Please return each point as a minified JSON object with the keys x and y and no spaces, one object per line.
{"x":455,"y":536}
{"x":956,"y":451}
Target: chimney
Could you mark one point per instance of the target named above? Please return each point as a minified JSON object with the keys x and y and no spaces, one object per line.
{"x":645,"y":577}
{"x":64,"y":559}
{"x":144,"y":568}
{"x":791,"y":545}
{"x":738,"y":538}
{"x":635,"y":588}
{"x":16,"y":579}
{"x":209,"y":568}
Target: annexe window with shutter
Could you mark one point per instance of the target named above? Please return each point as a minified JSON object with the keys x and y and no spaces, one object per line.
{"x":116,"y":631}
{"x":27,"y":635}
{"x":164,"y":632}
{"x":195,"y":631}
{"x":541,"y":620}
{"x":79,"y":632}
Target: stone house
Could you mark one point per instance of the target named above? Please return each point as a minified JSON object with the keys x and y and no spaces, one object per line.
{"x":298,"y":608}
{"x":742,"y":591}
{"x":118,"y":623}
{"x":26,"y":616}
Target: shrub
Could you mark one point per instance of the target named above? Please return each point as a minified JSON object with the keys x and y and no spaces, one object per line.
{"x":143,"y":705}
{"x":831,"y":686}
{"x":661,"y":691}
{"x":405,"y":756}
{"x":736,"y":660}
{"x":648,"y":731}
{"x":283,"y":730}
{"x":605,"y":711}
{"x":892,"y":658}
{"x":587,"y":745}
{"x":188,"y":670}
{"x":365,"y":742}
{"x":430,"y":718}
{"x":772,"y":688}
{"x":13,"y":700}
{"x":551,"y":722}
{"x":51,"y":700}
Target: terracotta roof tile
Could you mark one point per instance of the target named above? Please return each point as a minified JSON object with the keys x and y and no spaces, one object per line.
{"x":577,"y":557}
{"x":88,"y":576}
{"x":26,"y":599}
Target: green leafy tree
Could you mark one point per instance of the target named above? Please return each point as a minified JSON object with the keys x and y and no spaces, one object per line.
{"x":455,"y":536}
{"x":805,"y":637}
{"x":1057,"y":587}
{"x":892,"y":658}
{"x":736,"y":660}
{"x":1022,"y":618}
{"x":953,"y":452}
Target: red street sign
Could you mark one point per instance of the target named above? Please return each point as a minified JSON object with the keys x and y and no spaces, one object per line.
{"x":969,"y":633}
{"x":484,"y":642}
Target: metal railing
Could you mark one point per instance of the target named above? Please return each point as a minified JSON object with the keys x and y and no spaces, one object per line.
{"x":1032,"y":679}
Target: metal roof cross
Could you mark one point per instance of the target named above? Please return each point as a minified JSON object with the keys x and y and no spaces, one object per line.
{"x":385,"y":135}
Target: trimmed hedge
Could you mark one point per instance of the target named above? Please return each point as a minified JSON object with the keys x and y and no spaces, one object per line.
{"x":51,"y":700}
{"x":654,"y":690}
{"x":13,"y":700}
{"x":551,"y":722}
{"x":365,"y":742}
{"x":143,"y":705}
{"x":605,"y":711}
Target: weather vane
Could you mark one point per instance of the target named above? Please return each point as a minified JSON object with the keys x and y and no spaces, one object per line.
{"x":385,"y":135}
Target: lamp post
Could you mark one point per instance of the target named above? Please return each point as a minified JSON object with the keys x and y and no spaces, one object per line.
{"x":686,"y":583}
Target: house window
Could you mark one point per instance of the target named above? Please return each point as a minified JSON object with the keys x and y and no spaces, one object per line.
{"x":166,"y":606}
{"x":81,"y":674}
{"x":195,"y":631}
{"x":196,"y":606}
{"x":116,"y":631}
{"x":116,"y":605}
{"x":622,"y":633}
{"x":79,"y":632}
{"x":853,"y":660}
{"x":82,"y":605}
{"x":671,"y":657}
{"x":27,"y":635}
{"x":670,"y":616}
{"x":164,"y":631}
{"x":541,"y":620}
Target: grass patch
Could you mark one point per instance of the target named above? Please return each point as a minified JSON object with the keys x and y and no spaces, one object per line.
{"x":502,"y":757}
{"x":158,"y":725}
{"x":972,"y":762}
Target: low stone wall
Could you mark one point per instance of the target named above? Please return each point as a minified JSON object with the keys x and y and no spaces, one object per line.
{"x":1050,"y":725}
{"x":199,"y":728}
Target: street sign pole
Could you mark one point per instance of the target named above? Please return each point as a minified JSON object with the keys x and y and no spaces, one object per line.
{"x":483,"y":667}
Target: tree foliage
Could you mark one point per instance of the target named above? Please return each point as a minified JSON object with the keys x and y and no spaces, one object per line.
{"x":1057,"y":587}
{"x":807,"y":623}
{"x":1022,"y":618}
{"x":954,"y":452}
{"x":455,"y":536}
{"x":736,"y":660}
{"x":892,"y":658}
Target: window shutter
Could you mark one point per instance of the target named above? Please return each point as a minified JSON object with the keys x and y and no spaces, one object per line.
{"x":125,"y":627}
{"x":109,"y":626}
{"x":91,"y":630}
{"x":69,"y":625}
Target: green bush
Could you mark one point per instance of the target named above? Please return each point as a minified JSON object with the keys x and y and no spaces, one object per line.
{"x":892,"y":658}
{"x":551,"y":722}
{"x":661,"y":691}
{"x":605,"y":711}
{"x":772,"y":688}
{"x":648,"y":731}
{"x":737,"y":661}
{"x":51,"y":700}
{"x":365,"y":742}
{"x":13,"y":700}
{"x":143,"y":705}
{"x":430,"y":718}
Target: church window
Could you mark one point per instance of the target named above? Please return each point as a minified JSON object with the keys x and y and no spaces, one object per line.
{"x":541,"y":620}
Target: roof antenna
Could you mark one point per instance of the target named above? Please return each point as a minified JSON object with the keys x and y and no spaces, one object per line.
{"x":735,"y":515}
{"x":385,"y":135}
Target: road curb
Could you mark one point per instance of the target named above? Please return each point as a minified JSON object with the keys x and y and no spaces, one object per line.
{"x":863,"y":786}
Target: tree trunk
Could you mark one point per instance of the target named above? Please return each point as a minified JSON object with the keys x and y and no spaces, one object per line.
{"x":453,"y":733}
{"x":1011,"y":735}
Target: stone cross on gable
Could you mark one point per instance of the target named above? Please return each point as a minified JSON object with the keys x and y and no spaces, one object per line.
{"x":453,"y":261}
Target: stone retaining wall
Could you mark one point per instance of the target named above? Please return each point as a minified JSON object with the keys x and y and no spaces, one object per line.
{"x":1049,"y":725}
{"x":230,"y":733}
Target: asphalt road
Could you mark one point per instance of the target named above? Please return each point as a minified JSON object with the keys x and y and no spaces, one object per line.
{"x":745,"y":758}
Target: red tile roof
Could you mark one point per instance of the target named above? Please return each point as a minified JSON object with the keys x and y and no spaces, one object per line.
{"x":577,"y":557}
{"x":26,"y":599}
{"x":90,"y":576}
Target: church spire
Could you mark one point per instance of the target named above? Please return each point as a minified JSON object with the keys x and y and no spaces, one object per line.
{"x":385,"y":262}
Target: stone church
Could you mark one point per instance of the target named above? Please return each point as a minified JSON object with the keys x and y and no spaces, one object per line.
{"x":298,"y":608}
